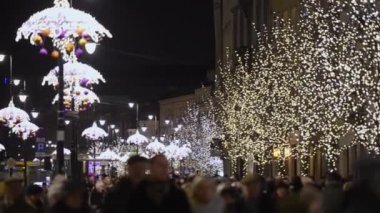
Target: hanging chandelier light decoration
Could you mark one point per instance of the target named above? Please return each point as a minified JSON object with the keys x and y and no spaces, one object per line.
{"x":183,"y":152}
{"x":75,"y":73}
{"x":11,"y":115}
{"x":137,"y":139}
{"x":108,"y":155}
{"x":171,"y":151}
{"x":94,"y":133}
{"x":68,"y":28}
{"x":155,"y":148}
{"x":25,"y":129}
{"x":83,"y":98}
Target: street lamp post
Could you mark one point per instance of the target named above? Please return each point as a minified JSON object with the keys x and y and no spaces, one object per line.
{"x":131,"y":105}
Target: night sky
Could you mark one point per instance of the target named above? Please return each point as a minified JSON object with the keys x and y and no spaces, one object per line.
{"x":159,"y":49}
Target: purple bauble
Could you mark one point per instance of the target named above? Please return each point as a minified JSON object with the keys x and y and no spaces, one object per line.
{"x":62,"y":34}
{"x":43,"y":52}
{"x":84,"y":82}
{"x":78,"y":52}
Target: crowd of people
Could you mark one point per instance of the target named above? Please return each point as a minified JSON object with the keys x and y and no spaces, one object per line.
{"x":149,"y":187}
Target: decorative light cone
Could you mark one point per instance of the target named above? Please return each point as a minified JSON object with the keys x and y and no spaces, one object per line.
{"x":66,"y":152}
{"x":155,"y":147}
{"x":25,"y":130}
{"x":69,"y":29}
{"x":75,"y":73}
{"x":171,"y":151}
{"x":83,"y":98}
{"x":137,"y":139}
{"x":11,"y":115}
{"x":108,"y":155}
{"x":94,"y":133}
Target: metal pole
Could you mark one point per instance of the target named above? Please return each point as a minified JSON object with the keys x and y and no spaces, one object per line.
{"x":60,"y":120}
{"x":137,"y":116}
{"x":11,"y":75}
{"x":25,"y":165}
{"x":74,"y":143}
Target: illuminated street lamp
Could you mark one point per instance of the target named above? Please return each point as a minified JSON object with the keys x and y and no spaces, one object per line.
{"x":117,"y":131}
{"x":90,"y":47}
{"x":2,"y":57}
{"x":112,"y":126}
{"x":16,"y":82}
{"x":150,"y":117}
{"x":102,"y":122}
{"x":144,"y":128}
{"x":22,"y":96}
{"x":167,"y":122}
{"x":67,"y":122}
{"x":34,"y":114}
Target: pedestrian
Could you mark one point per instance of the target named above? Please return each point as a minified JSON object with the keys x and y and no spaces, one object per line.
{"x":332,"y":194}
{"x":13,"y":195}
{"x":204,"y":198}
{"x":117,"y":200}
{"x":33,"y":201}
{"x":233,"y":200}
{"x":256,"y":200}
{"x":70,"y":200}
{"x":158,"y":193}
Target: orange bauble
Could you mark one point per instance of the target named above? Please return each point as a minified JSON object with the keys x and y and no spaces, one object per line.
{"x":45,"y":32}
{"x":55,"y":54}
{"x":69,"y":47}
{"x":37,"y":39}
{"x":80,"y":31}
{"x":82,"y":42}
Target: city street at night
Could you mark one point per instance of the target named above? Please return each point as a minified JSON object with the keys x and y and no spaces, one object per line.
{"x":202,"y":106}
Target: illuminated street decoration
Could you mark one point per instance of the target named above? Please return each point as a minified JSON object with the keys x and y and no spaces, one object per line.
{"x":70,"y":30}
{"x":83,"y":98}
{"x":75,"y":73}
{"x":25,"y":129}
{"x":2,"y":147}
{"x":155,"y":148}
{"x":137,"y":139}
{"x":108,"y":155}
{"x":171,"y":151}
{"x":198,"y":130}
{"x":11,"y":115}
{"x":183,"y":152}
{"x":94,"y":133}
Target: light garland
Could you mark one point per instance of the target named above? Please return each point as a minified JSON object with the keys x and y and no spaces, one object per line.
{"x":137,"y":139}
{"x":25,"y":129}
{"x":108,"y":155}
{"x":83,"y":98}
{"x":75,"y":73}
{"x":11,"y":115}
{"x":94,"y":133}
{"x":70,"y":29}
{"x":155,"y":148}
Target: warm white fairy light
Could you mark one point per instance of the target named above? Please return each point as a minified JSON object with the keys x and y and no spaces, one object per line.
{"x":75,"y":73}
{"x":137,"y":139}
{"x":94,"y":133}
{"x":64,"y":25}
{"x":83,"y":98}
{"x":25,"y":129}
{"x":11,"y":115}
{"x":171,"y":151}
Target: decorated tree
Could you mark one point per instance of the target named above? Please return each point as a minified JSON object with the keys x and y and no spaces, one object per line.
{"x":198,"y":130}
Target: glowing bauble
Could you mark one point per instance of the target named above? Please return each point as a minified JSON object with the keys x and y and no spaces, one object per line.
{"x":45,"y":32}
{"x":79,"y":31}
{"x":78,"y":52}
{"x":43,"y":52}
{"x":55,"y":54}
{"x":82,"y":42}
{"x":69,"y":47}
{"x":37,"y":39}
